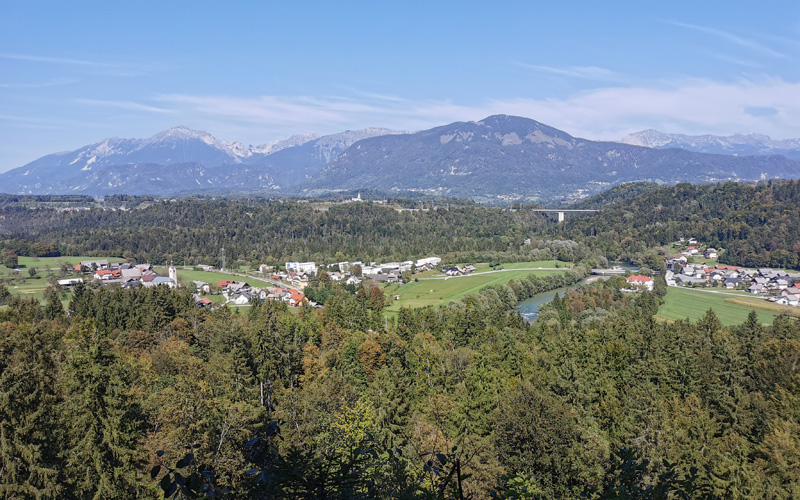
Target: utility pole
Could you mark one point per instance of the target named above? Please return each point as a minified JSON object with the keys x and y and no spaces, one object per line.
{"x":223,"y":258}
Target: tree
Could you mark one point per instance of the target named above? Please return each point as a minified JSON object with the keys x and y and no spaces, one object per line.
{"x":356,"y":270}
{"x":376,"y":300}
{"x":28,"y":420}
{"x":100,"y":418}
{"x":10,"y":259}
{"x":54,"y":308}
{"x":32,"y":272}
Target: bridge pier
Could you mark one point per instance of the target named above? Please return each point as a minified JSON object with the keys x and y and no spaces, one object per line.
{"x":560,"y":216}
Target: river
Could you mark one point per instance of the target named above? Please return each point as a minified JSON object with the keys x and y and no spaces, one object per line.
{"x":529,"y":308}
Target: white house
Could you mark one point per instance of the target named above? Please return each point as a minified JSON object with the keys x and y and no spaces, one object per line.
{"x":301,"y":267}
{"x":639,"y":280}
{"x":429,"y":261}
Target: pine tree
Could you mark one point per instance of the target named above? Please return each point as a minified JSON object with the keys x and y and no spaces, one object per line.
{"x":28,"y":462}
{"x":54,"y":308}
{"x":101,"y":420}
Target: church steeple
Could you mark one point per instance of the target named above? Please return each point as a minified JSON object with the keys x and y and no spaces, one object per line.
{"x":173,"y":275}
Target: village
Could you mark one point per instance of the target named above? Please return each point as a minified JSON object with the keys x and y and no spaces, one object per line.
{"x":287,"y":284}
{"x":684,"y":270}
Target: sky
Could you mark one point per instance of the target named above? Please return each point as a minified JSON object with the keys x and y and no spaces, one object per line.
{"x":74,"y":73}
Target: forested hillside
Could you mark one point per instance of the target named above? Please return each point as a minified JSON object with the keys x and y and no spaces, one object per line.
{"x":756,"y":225}
{"x":258,"y":232}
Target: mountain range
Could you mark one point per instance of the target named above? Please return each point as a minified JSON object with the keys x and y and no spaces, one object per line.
{"x":737,"y":144}
{"x":498,"y":159}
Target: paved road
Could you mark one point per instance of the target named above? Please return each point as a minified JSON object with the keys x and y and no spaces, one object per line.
{"x":265,"y":280}
{"x":499,"y":271}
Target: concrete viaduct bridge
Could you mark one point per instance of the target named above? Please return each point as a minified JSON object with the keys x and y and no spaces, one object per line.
{"x":559,"y":211}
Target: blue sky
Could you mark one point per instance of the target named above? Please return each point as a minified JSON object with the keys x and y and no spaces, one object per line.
{"x":73,"y":73}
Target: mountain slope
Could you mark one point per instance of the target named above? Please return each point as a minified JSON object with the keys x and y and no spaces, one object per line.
{"x":738,"y":144}
{"x":99,"y":168}
{"x":509,"y":157}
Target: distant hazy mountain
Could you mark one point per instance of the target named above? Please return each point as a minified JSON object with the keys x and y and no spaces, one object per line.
{"x":506,"y":157}
{"x":179,"y":160}
{"x":738,"y":144}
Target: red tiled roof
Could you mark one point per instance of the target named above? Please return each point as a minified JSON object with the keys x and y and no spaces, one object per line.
{"x":224,"y":283}
{"x":639,"y":277}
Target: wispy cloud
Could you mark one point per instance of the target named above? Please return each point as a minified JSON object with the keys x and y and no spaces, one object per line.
{"x":747,"y":43}
{"x":688,"y":106}
{"x":55,"y":60}
{"x":585,"y":72}
{"x":110,"y":68}
{"x":747,"y":63}
{"x":129,"y":105}
{"x":39,"y":85}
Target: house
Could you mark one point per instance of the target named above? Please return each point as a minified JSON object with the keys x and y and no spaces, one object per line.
{"x":223,"y":284}
{"x":732,"y":283}
{"x":686,"y":278}
{"x":693,"y":250}
{"x":353,"y":280}
{"x":469,"y":269}
{"x":204,"y":267}
{"x":131,"y":283}
{"x":107,"y":274}
{"x":69,"y":282}
{"x":202,"y":286}
{"x":159,"y":280}
{"x":378,"y":277}
{"x":93,"y":264}
{"x":131,"y":273}
{"x":638,"y":280}
{"x":241,"y":298}
{"x":238,"y":286}
{"x":293,"y":297}
{"x":710,"y":253}
{"x":757,"y":288}
{"x":429,"y":261}
{"x":302,"y":267}
{"x":201,"y":301}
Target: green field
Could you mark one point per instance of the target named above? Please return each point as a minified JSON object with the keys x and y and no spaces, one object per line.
{"x":429,"y":292}
{"x":211,"y":277}
{"x":681,"y":303}
{"x":55,"y":262}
